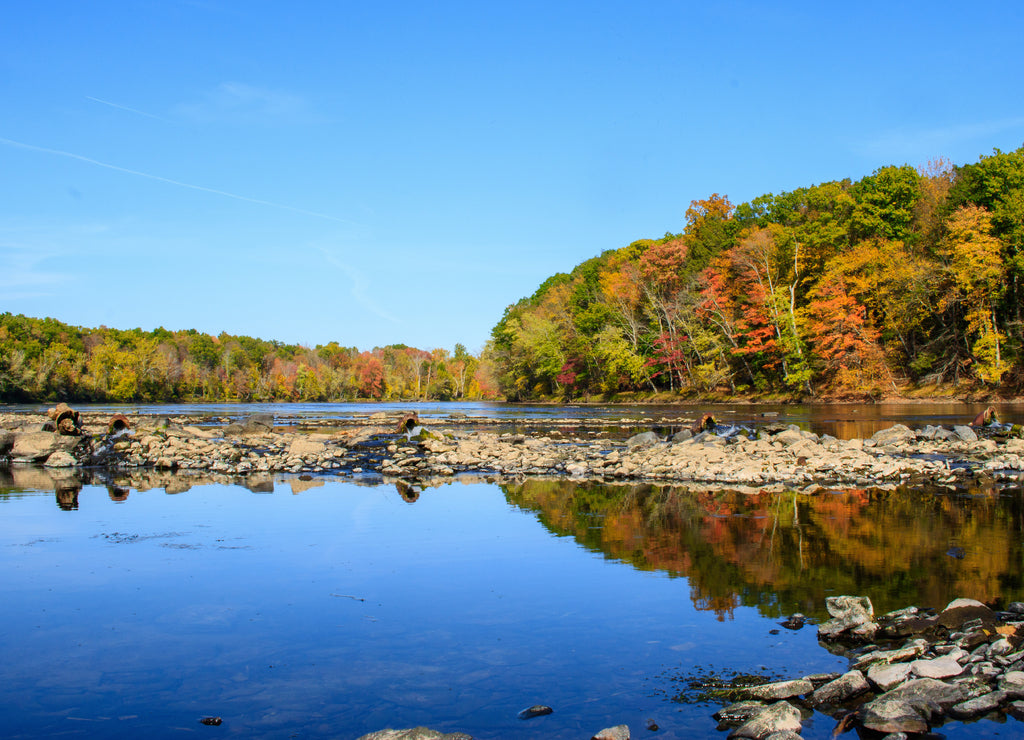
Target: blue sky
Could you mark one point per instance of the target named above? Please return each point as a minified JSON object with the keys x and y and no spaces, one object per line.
{"x":385,"y":172}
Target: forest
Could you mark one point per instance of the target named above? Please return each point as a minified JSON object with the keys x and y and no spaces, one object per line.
{"x":46,"y":360}
{"x":908,"y":280}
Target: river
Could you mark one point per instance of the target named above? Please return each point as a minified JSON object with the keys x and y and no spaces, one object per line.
{"x":326,"y":608}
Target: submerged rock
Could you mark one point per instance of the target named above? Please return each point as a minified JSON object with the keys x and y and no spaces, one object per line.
{"x":537,"y":710}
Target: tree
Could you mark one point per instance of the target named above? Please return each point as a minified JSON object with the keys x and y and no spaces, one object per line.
{"x":978,"y":273}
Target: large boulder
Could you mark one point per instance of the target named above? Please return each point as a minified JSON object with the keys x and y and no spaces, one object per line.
{"x":896,"y":434}
{"x":35,"y":447}
{"x":644,"y":439}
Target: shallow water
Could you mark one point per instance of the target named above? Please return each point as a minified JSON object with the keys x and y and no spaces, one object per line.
{"x":323,"y":608}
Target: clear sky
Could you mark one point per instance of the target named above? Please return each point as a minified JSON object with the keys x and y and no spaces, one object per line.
{"x":399,"y":172}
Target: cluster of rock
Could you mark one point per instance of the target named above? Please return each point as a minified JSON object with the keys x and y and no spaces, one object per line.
{"x":787,"y":455}
{"x":619,"y":732}
{"x":910,"y":671}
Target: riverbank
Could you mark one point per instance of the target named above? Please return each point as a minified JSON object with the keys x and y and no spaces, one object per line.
{"x":396,"y":446}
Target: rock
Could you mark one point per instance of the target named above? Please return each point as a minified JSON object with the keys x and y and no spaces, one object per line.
{"x":965,"y":433}
{"x":537,"y":710}
{"x":778,"y":717}
{"x":848,"y":612}
{"x":619,"y":732}
{"x":789,"y":437}
{"x":960,"y":603}
{"x":6,"y":441}
{"x":644,"y":439}
{"x":852,"y":609}
{"x":886,"y":676}
{"x":1016,"y":710}
{"x":34,"y":446}
{"x":944,"y":667}
{"x":61,"y":459}
{"x":895,"y":434}
{"x":416,"y":733}
{"x":306,"y":448}
{"x":978,"y":706}
{"x":682,"y":436}
{"x":784,"y":735}
{"x":263,"y":422}
{"x":847,"y":686}
{"x":891,"y":715}
{"x":928,"y":695}
{"x":779,"y":690}
{"x":736,"y":714}
{"x":1012,"y":682}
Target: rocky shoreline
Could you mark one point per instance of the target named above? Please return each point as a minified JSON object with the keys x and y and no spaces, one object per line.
{"x":397,"y":447}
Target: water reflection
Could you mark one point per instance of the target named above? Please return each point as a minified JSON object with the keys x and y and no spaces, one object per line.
{"x":784,"y":553}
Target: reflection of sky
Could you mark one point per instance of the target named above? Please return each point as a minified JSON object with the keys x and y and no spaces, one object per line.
{"x":343,"y":607}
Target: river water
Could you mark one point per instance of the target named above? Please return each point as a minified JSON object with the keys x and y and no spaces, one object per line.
{"x":844,"y":421}
{"x":329,"y":607}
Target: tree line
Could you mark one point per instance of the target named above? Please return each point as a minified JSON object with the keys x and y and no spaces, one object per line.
{"x":905,"y":278}
{"x":46,"y":360}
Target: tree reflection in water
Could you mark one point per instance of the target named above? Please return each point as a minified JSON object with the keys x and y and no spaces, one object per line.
{"x":785,"y":552}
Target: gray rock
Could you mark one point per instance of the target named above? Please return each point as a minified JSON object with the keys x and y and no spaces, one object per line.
{"x":929,"y":696}
{"x":6,"y":441}
{"x":944,"y":667}
{"x":644,"y":439}
{"x":853,"y":609}
{"x":619,"y":732}
{"x":261,"y":421}
{"x":682,"y":436}
{"x":888,"y":676}
{"x":848,"y":612}
{"x":845,"y":687}
{"x":415,"y":733}
{"x":965,"y":433}
{"x":1012,"y":681}
{"x":779,"y":690}
{"x":778,"y":717}
{"x":784,"y":735}
{"x":886,"y":714}
{"x":738,"y":713}
{"x":962,"y":602}
{"x":895,"y":434}
{"x":978,"y":706}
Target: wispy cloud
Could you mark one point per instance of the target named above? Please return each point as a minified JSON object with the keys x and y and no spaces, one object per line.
{"x":360,"y":285}
{"x":23,"y":274}
{"x":237,"y":102}
{"x":908,"y":143}
{"x":124,"y":108}
{"x":178,"y":183}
